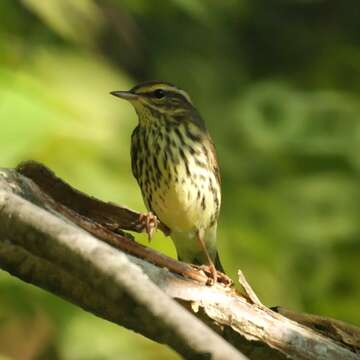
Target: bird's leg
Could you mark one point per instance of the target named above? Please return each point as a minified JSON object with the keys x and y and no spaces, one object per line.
{"x":213,"y":271}
{"x":149,"y":223}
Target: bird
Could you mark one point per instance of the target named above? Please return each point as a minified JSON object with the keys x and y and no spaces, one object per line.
{"x":174,"y":161}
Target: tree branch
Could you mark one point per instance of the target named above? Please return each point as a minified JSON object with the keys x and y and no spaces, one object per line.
{"x":40,"y":245}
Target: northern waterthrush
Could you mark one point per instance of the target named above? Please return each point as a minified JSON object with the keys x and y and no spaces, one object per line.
{"x":174,"y":162}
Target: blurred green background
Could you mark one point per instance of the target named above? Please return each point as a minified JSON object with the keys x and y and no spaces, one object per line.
{"x":278,"y":85}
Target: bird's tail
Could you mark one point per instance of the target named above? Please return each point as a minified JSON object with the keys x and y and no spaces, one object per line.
{"x":218,"y":264}
{"x":216,"y":260}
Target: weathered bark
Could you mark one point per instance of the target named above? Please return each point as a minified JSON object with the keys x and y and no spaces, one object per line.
{"x":40,"y":243}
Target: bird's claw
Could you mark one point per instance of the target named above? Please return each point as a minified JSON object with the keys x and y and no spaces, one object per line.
{"x":149,"y":223}
{"x":215,"y":276}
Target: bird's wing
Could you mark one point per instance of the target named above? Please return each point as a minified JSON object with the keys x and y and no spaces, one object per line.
{"x":213,"y":162}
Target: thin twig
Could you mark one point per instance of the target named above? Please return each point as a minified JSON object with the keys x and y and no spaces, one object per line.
{"x":249,"y":292}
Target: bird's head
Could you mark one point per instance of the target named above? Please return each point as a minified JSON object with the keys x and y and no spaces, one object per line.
{"x":158,"y":100}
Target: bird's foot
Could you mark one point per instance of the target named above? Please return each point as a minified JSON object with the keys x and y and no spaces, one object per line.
{"x":215,"y":276}
{"x":213,"y":272}
{"x":224,"y":279}
{"x":148,"y":223}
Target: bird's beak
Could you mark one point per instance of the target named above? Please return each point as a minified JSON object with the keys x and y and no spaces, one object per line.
{"x":126,"y":95}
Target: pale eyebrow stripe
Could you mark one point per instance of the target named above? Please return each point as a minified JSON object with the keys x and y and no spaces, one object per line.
{"x":164,"y":87}
{"x":184,"y":94}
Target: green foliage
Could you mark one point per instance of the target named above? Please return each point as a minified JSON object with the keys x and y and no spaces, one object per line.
{"x":277,"y":84}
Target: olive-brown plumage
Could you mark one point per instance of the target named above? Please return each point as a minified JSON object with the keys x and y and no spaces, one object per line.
{"x":174,"y":162}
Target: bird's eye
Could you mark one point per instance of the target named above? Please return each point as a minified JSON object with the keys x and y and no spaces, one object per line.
{"x":159,"y":94}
